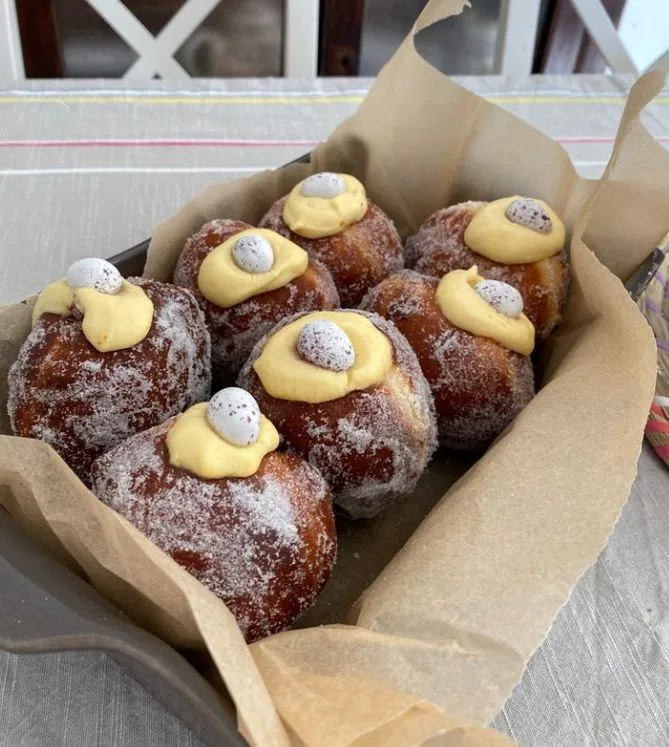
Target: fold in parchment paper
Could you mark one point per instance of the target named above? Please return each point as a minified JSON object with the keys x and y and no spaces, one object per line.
{"x":435,"y":607}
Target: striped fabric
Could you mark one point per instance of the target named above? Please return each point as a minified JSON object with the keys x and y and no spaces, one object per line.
{"x":654,"y":305}
{"x":132,"y":156}
{"x":87,"y":169}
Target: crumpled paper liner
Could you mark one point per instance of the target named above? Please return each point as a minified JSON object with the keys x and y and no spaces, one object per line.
{"x":459,"y":590}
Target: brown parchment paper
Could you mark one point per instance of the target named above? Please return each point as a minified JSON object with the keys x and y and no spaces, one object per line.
{"x":459,"y":590}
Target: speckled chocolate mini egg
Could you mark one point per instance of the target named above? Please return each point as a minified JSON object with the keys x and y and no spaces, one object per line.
{"x":326,"y":345}
{"x":235,"y":416}
{"x":253,"y":253}
{"x":501,"y":296}
{"x":325,"y":185}
{"x":93,"y":272}
{"x":527,"y":212}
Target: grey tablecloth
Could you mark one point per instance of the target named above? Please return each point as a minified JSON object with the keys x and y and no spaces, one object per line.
{"x":87,"y":169}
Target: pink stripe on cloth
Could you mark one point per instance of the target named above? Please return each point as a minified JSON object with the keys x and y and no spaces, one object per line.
{"x":657,"y":426}
{"x":656,"y":410}
{"x":222,"y":142}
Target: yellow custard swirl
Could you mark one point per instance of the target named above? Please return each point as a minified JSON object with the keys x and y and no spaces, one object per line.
{"x":491,"y":234}
{"x":224,"y":283}
{"x":286,"y":375}
{"x":195,"y":446}
{"x":111,"y":321}
{"x":316,"y":217}
{"x":465,"y":309}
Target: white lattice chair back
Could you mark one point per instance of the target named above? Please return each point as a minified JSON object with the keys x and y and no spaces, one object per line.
{"x":156,"y":53}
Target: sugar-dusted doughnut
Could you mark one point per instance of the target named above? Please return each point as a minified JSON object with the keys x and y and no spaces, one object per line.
{"x":101,"y":365}
{"x":237,"y":323}
{"x":479,"y":383}
{"x":254,"y":525}
{"x":365,"y":419}
{"x":540,"y":274}
{"x":331,"y":217}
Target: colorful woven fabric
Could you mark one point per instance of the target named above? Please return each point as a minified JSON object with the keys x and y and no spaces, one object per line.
{"x":654,"y":305}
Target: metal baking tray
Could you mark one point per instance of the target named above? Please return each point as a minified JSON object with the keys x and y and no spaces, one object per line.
{"x":45,"y":607}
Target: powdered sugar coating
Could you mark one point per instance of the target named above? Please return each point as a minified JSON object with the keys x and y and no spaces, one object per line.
{"x":234,"y":331}
{"x":325,"y":344}
{"x":358,"y":257}
{"x":84,"y":402}
{"x":93,"y":272}
{"x":501,"y":296}
{"x":479,"y":386}
{"x":264,"y":544}
{"x":528,"y":212}
{"x":439,"y":247}
{"x":371,"y":445}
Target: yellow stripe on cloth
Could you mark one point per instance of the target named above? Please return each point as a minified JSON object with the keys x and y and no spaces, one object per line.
{"x":300,"y":100}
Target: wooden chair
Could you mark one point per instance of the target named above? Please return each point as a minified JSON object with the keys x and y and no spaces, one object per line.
{"x":11,"y":54}
{"x":517,"y":43}
{"x":32,"y":22}
{"x":578,"y":31}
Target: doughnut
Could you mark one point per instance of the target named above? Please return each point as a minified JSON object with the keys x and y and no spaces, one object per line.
{"x":263,"y":542}
{"x":440,"y":245}
{"x":359,"y":249}
{"x":83,"y":400}
{"x":236,"y":328}
{"x":479,"y":384}
{"x":349,"y":397}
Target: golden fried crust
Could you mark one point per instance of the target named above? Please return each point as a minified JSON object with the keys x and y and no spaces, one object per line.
{"x":439,"y":247}
{"x":84,"y":402}
{"x":264,"y":544}
{"x":478,"y":385}
{"x":358,"y":257}
{"x":372,"y":445}
{"x":235,"y":330}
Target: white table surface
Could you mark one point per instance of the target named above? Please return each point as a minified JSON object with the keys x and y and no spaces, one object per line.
{"x":88,"y":168}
